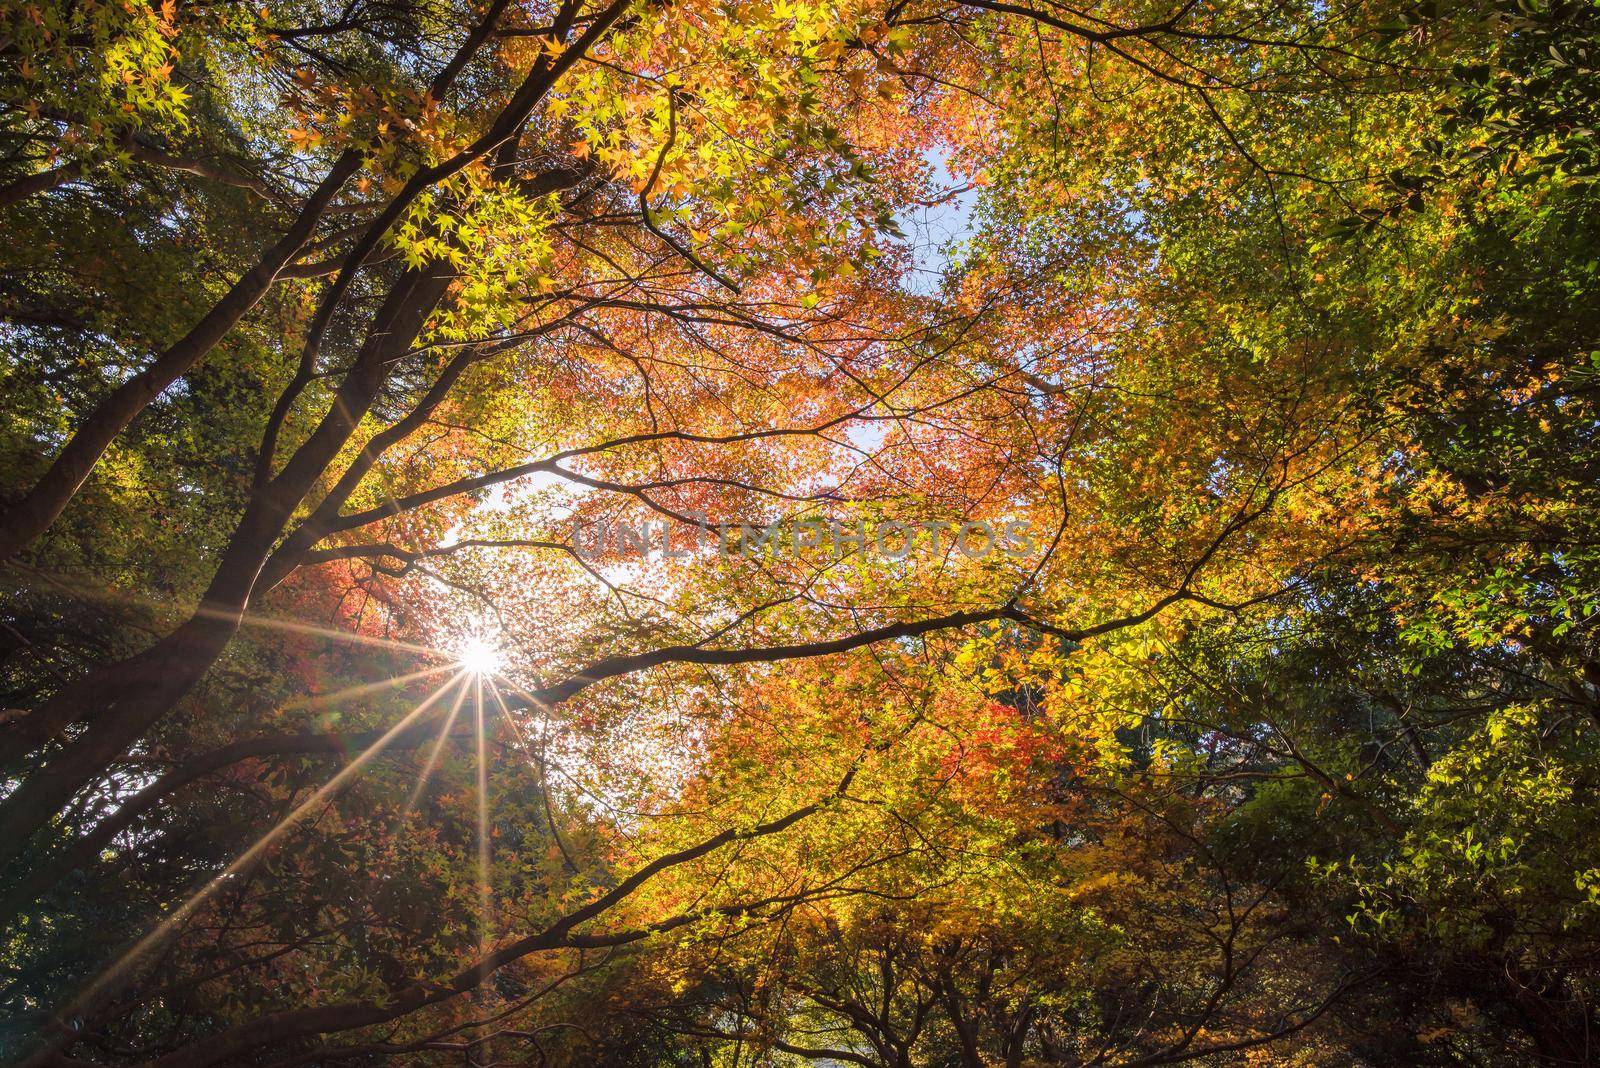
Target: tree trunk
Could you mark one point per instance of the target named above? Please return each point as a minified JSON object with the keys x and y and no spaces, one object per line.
{"x":23,"y":522}
{"x":123,"y":701}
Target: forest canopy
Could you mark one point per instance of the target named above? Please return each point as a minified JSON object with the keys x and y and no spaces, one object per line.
{"x":721,"y":534}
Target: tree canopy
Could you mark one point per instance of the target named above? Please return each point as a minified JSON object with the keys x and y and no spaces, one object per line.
{"x":913,"y":534}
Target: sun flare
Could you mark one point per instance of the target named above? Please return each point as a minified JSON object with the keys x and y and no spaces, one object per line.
{"x":479,"y":656}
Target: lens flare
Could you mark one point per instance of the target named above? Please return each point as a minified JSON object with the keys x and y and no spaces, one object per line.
{"x":480,"y":657}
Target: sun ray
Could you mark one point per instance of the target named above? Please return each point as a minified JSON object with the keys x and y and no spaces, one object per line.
{"x":534,"y":762}
{"x":323,"y":700}
{"x":433,"y":755}
{"x":538,"y":765}
{"x":485,"y":922}
{"x":485,"y":888}
{"x":86,"y":591}
{"x":331,"y":633}
{"x":170,"y":924}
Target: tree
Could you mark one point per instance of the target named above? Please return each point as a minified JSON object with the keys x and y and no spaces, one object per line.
{"x":333,"y":331}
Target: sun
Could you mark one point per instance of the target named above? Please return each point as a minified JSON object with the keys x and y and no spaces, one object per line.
{"x":479,"y":656}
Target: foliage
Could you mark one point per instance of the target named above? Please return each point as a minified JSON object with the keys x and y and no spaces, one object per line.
{"x":347,"y":345}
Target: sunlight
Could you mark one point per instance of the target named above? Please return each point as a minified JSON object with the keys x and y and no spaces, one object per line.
{"x":479,"y":656}
{"x":174,"y":920}
{"x":485,"y":876}
{"x":433,"y":755}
